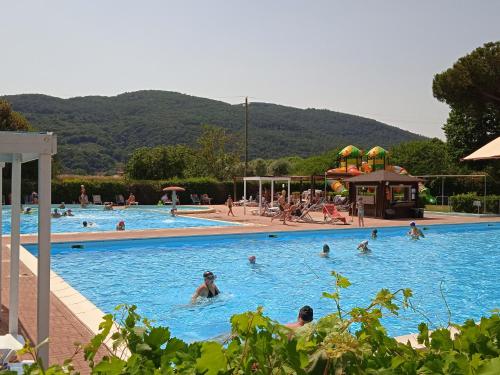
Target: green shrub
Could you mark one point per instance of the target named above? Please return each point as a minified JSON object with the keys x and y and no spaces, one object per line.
{"x":344,"y":342}
{"x":464,"y":203}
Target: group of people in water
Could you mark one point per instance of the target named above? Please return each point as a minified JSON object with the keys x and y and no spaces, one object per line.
{"x":208,"y":289}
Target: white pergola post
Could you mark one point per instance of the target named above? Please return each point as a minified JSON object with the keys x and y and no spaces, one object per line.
{"x":17,"y":148}
{"x":288,"y":190}
{"x":260,"y":196}
{"x":244,"y":196}
{"x":14,"y":245}
{"x":1,"y":240}
{"x":43,"y":291}
{"x":272,"y":193}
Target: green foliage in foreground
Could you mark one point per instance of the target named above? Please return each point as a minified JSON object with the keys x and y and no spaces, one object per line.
{"x":259,"y":345}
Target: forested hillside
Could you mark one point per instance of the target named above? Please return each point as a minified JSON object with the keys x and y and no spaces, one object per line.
{"x":97,"y":132}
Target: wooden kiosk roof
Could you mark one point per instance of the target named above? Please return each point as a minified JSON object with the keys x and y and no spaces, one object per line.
{"x":383,"y":176}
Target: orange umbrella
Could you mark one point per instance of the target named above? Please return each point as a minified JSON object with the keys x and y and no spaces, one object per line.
{"x":174,"y":188}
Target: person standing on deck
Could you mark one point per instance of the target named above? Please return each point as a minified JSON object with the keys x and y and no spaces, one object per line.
{"x":229,"y":204}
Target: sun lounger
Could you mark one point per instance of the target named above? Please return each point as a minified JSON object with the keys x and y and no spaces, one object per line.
{"x":331,"y":214}
{"x":9,"y":345}
{"x":120,"y":199}
{"x":205,"y":199}
{"x":195,"y":199}
{"x":96,"y":199}
{"x":306,"y":217}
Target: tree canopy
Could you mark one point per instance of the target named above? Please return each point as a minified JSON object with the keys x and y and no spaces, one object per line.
{"x":472,"y":89}
{"x":11,"y":120}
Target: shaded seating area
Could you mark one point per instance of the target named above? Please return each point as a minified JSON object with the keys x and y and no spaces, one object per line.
{"x":386,"y":194}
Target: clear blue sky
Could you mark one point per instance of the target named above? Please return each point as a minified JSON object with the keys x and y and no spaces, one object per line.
{"x":371,"y":58}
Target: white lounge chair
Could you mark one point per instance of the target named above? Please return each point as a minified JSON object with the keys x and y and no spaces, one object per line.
{"x":9,"y":345}
{"x":96,"y":199}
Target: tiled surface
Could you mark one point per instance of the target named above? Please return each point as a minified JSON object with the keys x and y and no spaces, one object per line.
{"x":71,"y":320}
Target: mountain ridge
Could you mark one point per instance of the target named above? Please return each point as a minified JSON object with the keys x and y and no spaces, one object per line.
{"x":96,"y":132}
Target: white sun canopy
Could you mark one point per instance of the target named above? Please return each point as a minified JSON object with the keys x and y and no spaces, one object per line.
{"x":489,"y":151}
{"x":17,"y":148}
{"x":262,"y":179}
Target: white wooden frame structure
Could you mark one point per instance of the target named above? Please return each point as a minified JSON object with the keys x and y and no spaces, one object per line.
{"x":263,"y":179}
{"x":17,"y":148}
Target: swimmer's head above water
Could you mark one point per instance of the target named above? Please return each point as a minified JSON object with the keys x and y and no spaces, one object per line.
{"x":252,"y":259}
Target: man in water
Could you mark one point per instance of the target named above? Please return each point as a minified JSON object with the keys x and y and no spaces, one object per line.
{"x":374,"y":234}
{"x":120,"y":225}
{"x":208,"y":289}
{"x":363,"y":247}
{"x":306,"y":315}
{"x":326,"y":251}
{"x":414,"y":232}
{"x":252,"y":259}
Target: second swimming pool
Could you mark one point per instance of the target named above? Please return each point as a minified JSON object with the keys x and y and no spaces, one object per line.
{"x":160,"y":275}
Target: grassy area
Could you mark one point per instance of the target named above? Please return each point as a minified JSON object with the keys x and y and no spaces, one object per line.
{"x":437,"y":208}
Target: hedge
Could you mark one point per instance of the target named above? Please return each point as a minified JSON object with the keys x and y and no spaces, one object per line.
{"x":464,"y":203}
{"x":66,"y":189}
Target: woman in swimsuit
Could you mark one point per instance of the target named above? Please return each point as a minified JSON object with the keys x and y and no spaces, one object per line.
{"x":208,"y":289}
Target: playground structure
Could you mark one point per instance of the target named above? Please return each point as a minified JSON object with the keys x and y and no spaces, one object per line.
{"x":353,"y":162}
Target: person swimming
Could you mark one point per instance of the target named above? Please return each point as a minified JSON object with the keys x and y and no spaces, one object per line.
{"x":415,"y":233}
{"x":208,"y":289}
{"x":87,"y":224}
{"x":173,"y":212}
{"x":27,"y":211}
{"x":374,"y":234}
{"x":252,"y":259}
{"x":56,"y":214}
{"x":306,"y":315}
{"x":363,"y":246}
{"x":326,"y":251}
{"x":120,"y":225}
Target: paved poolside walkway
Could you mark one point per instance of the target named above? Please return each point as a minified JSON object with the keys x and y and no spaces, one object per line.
{"x":66,"y":328}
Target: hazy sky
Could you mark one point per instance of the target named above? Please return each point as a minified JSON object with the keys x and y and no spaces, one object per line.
{"x":371,"y":58}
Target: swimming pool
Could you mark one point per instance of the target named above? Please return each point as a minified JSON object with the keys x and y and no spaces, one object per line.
{"x":160,"y":275}
{"x":135,"y":217}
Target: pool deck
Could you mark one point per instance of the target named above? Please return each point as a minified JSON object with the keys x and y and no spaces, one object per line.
{"x":67,"y":327}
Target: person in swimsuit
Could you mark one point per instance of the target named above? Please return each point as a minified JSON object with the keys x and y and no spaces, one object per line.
{"x":229,"y":204}
{"x":326,"y":251}
{"x":415,"y":233}
{"x":361,"y":212}
{"x":306,"y":315}
{"x":208,"y":289}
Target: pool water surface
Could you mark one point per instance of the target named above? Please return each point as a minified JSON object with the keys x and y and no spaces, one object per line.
{"x":135,"y":217}
{"x":160,"y":275}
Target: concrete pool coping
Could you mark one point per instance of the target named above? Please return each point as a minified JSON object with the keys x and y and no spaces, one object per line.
{"x":91,"y":316}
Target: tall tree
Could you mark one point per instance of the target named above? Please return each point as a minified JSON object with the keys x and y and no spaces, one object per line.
{"x":472,"y":89}
{"x":11,"y":120}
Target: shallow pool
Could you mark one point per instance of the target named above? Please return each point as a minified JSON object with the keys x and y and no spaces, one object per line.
{"x":135,"y":217}
{"x":160,"y":275}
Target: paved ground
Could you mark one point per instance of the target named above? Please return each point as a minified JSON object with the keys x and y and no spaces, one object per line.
{"x":66,"y":328}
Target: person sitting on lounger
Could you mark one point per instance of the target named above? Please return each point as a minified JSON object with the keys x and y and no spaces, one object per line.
{"x":131,"y":199}
{"x":326,"y":251}
{"x":120,"y":225}
{"x":306,"y":315}
{"x":208,"y":289}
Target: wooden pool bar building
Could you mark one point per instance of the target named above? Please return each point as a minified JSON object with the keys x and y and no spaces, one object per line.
{"x":386,"y":194}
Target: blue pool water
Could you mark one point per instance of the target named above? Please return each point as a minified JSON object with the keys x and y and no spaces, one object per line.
{"x":160,"y":275}
{"x":135,"y":217}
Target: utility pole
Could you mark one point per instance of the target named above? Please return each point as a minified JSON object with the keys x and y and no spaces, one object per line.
{"x":246,"y":136}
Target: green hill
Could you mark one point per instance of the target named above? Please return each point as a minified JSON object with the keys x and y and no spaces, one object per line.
{"x":96,"y":132}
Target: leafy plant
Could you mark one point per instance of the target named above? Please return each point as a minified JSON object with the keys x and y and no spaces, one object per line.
{"x":344,"y":342}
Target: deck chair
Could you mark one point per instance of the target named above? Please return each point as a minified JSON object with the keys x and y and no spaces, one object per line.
{"x":96,"y":199}
{"x":120,"y":200}
{"x":9,"y":345}
{"x":332,"y":215}
{"x":205,"y":199}
{"x":306,"y":216}
{"x":195,"y":199}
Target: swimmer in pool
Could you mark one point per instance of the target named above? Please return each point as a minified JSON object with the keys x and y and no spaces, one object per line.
{"x":326,"y":251}
{"x":173,"y":212}
{"x":374,"y":234}
{"x":252,"y":259}
{"x":87,"y":224}
{"x":120,"y":225}
{"x":306,"y":315}
{"x":208,"y":289}
{"x":415,"y":233}
{"x":69,"y":212}
{"x":363,"y":247}
{"x":27,"y":211}
{"x":56,"y":214}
